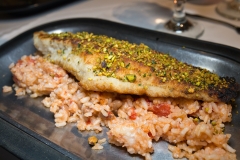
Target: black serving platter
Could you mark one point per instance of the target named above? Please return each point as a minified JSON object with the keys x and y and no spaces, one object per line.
{"x":27,"y":128}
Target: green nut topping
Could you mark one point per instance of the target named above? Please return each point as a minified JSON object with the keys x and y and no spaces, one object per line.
{"x":131,"y":77}
{"x":115,"y":55}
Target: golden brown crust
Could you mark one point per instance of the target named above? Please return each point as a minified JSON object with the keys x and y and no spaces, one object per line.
{"x":103,"y":63}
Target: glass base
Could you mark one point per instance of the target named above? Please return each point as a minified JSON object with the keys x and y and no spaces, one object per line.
{"x":178,"y":27}
{"x":229,"y":10}
{"x":189,"y":28}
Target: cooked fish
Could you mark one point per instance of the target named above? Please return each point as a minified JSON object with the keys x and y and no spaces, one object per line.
{"x":103,"y":63}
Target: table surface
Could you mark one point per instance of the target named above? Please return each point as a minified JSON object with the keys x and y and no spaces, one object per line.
{"x":140,"y":13}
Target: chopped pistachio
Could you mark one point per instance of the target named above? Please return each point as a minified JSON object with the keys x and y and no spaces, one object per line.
{"x":164,"y":79}
{"x":127,"y":65}
{"x":214,"y":123}
{"x":131,"y":77}
{"x":153,"y":62}
{"x":198,"y":83}
{"x":122,"y":64}
{"x":196,"y":120}
{"x":117,"y":54}
{"x":191,"y":90}
{"x":206,"y":109}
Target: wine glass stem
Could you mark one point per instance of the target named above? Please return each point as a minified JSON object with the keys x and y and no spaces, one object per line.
{"x":179,"y":23}
{"x":179,"y":14}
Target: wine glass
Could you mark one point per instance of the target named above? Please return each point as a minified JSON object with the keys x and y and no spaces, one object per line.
{"x":179,"y":24}
{"x":229,"y":9}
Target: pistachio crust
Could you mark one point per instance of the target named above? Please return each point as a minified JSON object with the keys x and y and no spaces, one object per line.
{"x":140,"y":65}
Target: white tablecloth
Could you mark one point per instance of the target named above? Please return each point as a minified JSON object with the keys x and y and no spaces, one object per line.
{"x":141,"y":13}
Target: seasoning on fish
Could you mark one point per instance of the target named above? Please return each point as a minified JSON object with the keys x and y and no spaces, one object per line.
{"x":103,"y":63}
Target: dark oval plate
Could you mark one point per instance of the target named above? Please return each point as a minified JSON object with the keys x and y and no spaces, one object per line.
{"x":27,"y":128}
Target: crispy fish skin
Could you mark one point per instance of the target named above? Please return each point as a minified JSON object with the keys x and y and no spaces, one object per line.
{"x":102,"y":63}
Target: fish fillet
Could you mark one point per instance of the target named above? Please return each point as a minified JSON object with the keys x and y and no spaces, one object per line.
{"x":102,"y":63}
